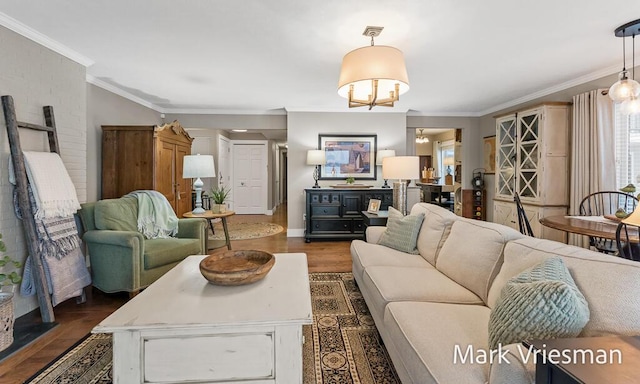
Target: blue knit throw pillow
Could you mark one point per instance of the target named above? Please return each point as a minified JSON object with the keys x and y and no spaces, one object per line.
{"x":542,"y":302}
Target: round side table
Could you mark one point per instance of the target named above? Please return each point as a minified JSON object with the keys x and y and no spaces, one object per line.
{"x":213,"y":244}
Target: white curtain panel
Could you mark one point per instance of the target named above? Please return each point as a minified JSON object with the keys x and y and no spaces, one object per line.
{"x":592,"y":151}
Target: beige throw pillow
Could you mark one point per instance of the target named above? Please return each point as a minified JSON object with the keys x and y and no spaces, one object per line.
{"x":402,"y":231}
{"x":542,"y":302}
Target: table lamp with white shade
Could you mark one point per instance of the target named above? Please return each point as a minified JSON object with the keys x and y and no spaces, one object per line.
{"x":195,"y":167}
{"x":401,"y":168}
{"x":316,"y":157}
{"x":381,"y":154}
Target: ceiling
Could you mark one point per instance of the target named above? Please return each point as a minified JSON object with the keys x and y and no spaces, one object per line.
{"x":464,"y":57}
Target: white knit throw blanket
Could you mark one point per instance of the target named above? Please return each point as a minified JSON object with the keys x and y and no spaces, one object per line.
{"x":53,"y":199}
{"x":53,"y":190}
{"x":156,"y":219}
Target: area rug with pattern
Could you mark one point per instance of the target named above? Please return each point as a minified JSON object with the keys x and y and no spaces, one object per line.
{"x":342,"y":345}
{"x":245,"y":231}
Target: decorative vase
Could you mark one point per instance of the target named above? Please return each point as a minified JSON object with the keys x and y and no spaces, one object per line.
{"x":6,"y":320}
{"x":218,"y":208}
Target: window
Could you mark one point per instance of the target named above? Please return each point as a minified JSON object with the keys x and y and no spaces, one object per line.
{"x":446,"y":157}
{"x":627,"y":148}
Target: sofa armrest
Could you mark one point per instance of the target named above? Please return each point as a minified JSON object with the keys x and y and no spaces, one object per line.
{"x":194,"y":228}
{"x":117,"y":238}
{"x":373,"y":234}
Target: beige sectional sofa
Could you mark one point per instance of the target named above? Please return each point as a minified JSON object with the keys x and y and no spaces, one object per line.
{"x":430,"y":307}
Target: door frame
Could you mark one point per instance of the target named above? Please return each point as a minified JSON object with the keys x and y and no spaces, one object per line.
{"x":228,"y":171}
{"x":265,"y":185}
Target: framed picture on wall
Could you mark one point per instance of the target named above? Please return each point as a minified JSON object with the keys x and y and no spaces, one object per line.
{"x":348,"y":156}
{"x":489,"y":154}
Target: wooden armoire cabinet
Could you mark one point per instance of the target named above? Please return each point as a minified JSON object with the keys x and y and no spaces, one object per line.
{"x":146,"y":157}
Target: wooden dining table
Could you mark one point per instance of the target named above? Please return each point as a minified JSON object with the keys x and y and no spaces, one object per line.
{"x":596,"y":226}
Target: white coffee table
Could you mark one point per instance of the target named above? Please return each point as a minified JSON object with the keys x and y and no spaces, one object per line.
{"x":183,"y":329}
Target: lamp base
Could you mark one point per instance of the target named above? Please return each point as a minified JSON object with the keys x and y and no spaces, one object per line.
{"x":198,"y":211}
{"x":385,"y":185}
{"x":400,"y":196}
{"x":316,"y":174}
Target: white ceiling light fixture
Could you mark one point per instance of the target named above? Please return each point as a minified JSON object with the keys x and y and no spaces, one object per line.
{"x":625,"y":89}
{"x":373,"y":76}
{"x":238,"y":130}
{"x":631,"y":106}
{"x":421,"y":139}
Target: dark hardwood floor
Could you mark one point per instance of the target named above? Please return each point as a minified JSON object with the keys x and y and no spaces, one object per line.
{"x":77,"y":320}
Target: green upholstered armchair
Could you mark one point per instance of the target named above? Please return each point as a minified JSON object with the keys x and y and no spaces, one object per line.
{"x":121,"y":258}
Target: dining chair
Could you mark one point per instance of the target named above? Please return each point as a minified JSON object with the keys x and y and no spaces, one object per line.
{"x":626,"y":248}
{"x":606,"y":203}
{"x":523,"y":221}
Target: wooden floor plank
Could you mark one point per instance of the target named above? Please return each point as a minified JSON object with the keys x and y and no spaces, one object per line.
{"x":76,"y":320}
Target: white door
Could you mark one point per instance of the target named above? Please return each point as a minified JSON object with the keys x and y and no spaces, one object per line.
{"x":249,"y":178}
{"x":224,"y":166}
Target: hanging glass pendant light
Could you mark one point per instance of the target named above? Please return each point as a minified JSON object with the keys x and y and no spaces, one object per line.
{"x":631,"y":106}
{"x":625,"y":88}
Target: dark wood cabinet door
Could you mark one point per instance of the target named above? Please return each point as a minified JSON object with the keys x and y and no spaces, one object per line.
{"x":352,"y":204}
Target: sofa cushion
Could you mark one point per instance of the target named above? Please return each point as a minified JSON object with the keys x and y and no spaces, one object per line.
{"x":541,"y":302}
{"x":472,"y":253}
{"x":365,"y":255}
{"x":608,"y":283}
{"x":425,"y":335}
{"x":384,"y":284}
{"x":117,"y":214}
{"x":402,"y":231}
{"x":158,"y":252}
{"x":435,"y":229}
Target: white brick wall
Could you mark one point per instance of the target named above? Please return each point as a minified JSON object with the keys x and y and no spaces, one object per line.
{"x":36,"y":76}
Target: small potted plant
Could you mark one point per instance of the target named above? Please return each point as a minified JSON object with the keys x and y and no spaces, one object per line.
{"x":9,"y":277}
{"x":351,"y":180}
{"x":219,"y":195}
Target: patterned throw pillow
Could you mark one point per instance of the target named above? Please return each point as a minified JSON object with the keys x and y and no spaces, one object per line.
{"x":542,"y":302}
{"x":402,"y":231}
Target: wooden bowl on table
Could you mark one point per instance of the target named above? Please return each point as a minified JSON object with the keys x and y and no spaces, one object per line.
{"x":236,"y":267}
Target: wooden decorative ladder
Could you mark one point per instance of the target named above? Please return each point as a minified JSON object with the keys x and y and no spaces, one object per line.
{"x":28,"y":220}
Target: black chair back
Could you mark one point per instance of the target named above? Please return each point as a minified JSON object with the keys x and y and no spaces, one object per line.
{"x":606,"y":203}
{"x":626,"y":247}
{"x":523,"y":221}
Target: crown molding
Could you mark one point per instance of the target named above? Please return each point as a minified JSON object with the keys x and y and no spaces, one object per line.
{"x":32,"y":34}
{"x":113,"y":89}
{"x":556,"y":88}
{"x":350,"y":110}
{"x":211,"y":111}
{"x":414,"y":113}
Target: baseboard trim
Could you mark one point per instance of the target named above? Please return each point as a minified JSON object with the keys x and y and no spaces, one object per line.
{"x":295,"y":232}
